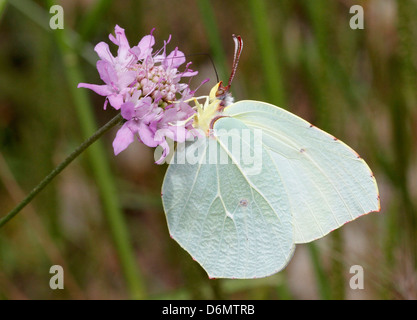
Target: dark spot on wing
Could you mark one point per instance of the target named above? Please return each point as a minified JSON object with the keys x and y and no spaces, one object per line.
{"x":244,"y":203}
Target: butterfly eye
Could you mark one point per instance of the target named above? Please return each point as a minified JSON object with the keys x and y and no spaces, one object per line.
{"x":220,"y":92}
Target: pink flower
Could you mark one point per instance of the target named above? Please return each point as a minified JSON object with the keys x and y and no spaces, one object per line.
{"x":116,"y":72}
{"x":146,"y":87}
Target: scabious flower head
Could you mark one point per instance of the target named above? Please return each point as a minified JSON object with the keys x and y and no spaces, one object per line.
{"x":145,"y":86}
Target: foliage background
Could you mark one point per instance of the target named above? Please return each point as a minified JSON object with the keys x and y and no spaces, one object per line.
{"x":102,"y":219}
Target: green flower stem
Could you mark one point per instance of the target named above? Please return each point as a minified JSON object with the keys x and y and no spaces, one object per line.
{"x":69,"y":47}
{"x":323,"y":284}
{"x":100,"y":167}
{"x":117,"y":119}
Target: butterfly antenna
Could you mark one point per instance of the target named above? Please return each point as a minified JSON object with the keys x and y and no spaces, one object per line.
{"x":238,"y":51}
{"x":201,"y":54}
{"x":223,"y":91}
{"x":211,"y":60}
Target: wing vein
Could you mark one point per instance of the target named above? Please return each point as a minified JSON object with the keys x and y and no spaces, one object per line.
{"x":191,"y":191}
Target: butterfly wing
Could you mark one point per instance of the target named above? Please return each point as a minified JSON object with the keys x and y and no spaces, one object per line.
{"x":223,"y":210}
{"x":326,"y":182}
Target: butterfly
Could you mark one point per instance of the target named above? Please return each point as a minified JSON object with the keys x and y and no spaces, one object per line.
{"x":258,"y":182}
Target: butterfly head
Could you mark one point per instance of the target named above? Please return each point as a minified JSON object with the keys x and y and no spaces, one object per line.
{"x":219,"y":98}
{"x":221,"y":93}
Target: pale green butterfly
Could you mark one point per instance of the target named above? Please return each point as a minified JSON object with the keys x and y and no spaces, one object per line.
{"x":242,"y":219}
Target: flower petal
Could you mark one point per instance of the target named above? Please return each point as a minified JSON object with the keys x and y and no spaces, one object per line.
{"x":147,"y":135}
{"x":102,"y":90}
{"x":189,"y":73}
{"x":136,"y":52}
{"x":144,"y":107}
{"x":124,"y":138}
{"x":145,"y":45}
{"x":120,"y":39}
{"x":174,"y":59}
{"x":125,"y":79}
{"x":116,"y":100}
{"x":127,"y":110}
{"x":165,"y":147}
{"x":103,"y":52}
{"x":107,"y":72}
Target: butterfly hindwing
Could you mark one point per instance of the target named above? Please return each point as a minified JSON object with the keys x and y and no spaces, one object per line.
{"x":224,"y":210}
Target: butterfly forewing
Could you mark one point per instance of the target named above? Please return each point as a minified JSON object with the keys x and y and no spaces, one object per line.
{"x":328,"y":183}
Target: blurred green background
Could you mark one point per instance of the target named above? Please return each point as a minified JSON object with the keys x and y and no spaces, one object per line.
{"x":102,"y":218}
